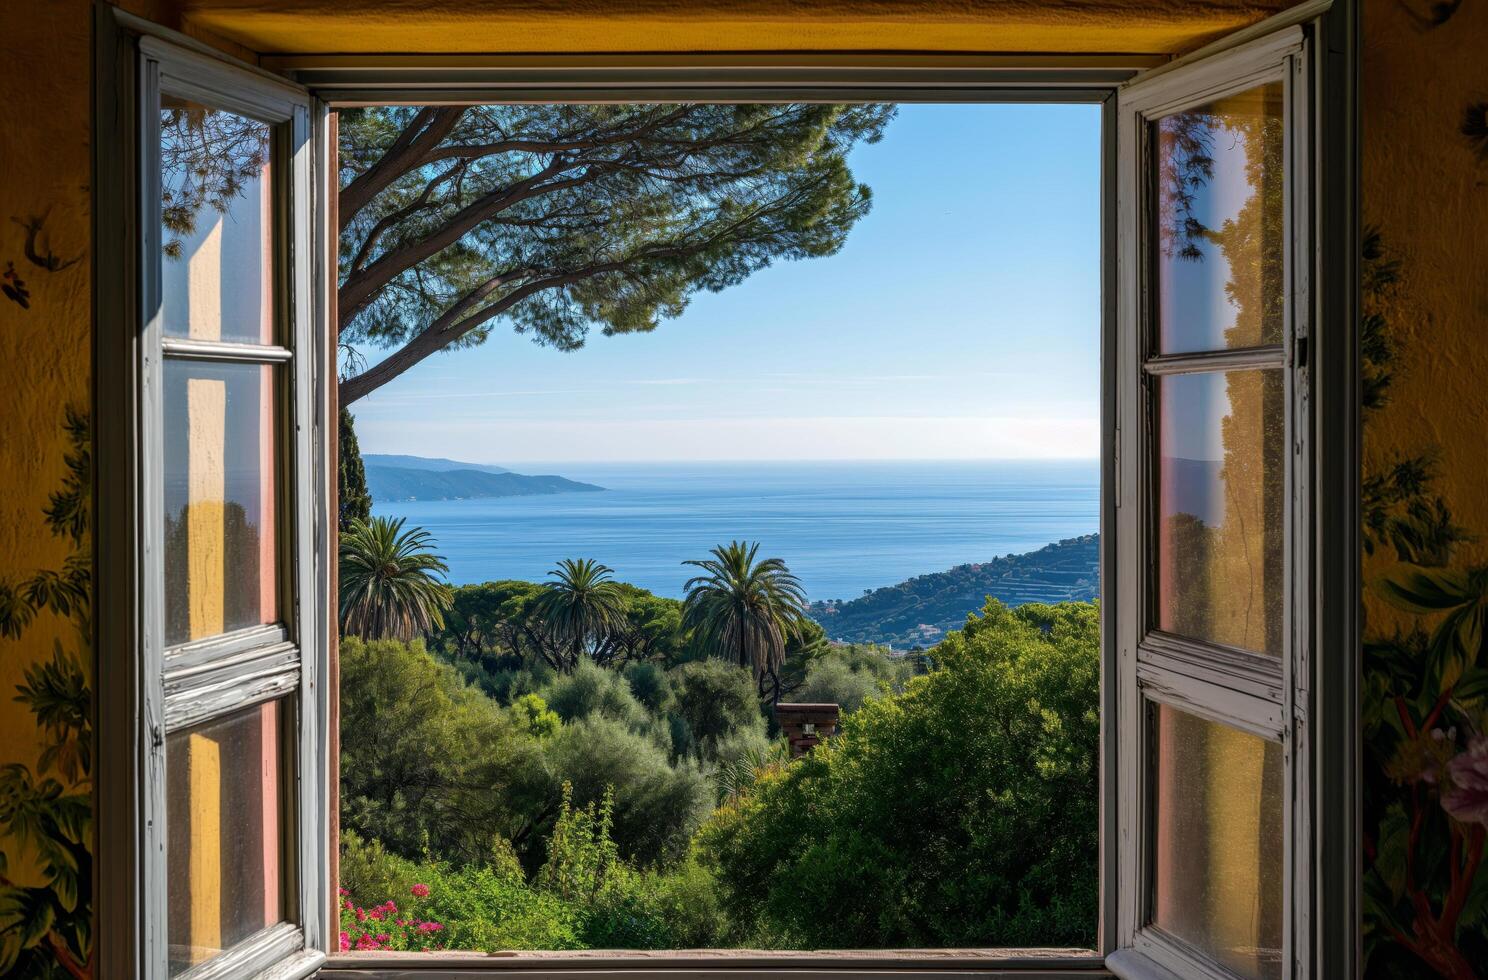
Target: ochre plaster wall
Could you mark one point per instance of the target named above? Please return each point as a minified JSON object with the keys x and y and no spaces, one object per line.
{"x":45,"y":370}
{"x":566,"y":26}
{"x":1425,"y":192}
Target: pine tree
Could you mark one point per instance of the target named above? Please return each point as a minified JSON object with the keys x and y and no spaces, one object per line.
{"x":354,"y":502}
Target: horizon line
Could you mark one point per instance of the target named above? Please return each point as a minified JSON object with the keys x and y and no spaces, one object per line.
{"x":753,"y":460}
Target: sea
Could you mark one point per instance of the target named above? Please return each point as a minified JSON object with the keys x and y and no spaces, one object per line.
{"x":844,"y":528}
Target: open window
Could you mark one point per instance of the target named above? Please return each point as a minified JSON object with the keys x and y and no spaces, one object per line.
{"x":1215,"y":557}
{"x":232,"y":626}
{"x":1212,"y":559}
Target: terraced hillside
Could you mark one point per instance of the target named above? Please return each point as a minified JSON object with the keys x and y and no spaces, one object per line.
{"x":919,"y":611}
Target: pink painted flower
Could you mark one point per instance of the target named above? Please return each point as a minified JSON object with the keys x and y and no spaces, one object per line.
{"x":420,"y":891}
{"x":345,"y":942}
{"x":1467,"y":800}
{"x":342,"y":892}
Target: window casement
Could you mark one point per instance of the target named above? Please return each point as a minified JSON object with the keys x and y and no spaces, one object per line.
{"x":1214,"y":518}
{"x":1225,"y":222}
{"x":232,"y":603}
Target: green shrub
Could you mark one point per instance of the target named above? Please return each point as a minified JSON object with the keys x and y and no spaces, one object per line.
{"x":591,"y":690}
{"x":532,"y":714}
{"x":657,"y":806}
{"x":648,"y":682}
{"x":962,"y":812}
{"x":717,"y":701}
{"x":429,"y":765}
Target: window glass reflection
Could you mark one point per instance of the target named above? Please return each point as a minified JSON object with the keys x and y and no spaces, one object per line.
{"x":1220,"y":535}
{"x":223,"y":805}
{"x":1221,"y":223}
{"x":216,"y":218}
{"x":220,"y":572}
{"x":1218,"y":854}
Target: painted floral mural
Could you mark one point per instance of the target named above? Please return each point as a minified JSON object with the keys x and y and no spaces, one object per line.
{"x":46,"y":809}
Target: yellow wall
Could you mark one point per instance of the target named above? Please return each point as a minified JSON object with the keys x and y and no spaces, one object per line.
{"x":1427,"y":193}
{"x":544,"y":26}
{"x":45,"y":351}
{"x":45,"y":360}
{"x":1425,"y":190}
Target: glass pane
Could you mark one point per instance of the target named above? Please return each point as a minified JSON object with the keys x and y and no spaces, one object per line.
{"x":1221,"y":223}
{"x":1217,"y":873}
{"x":220,"y":527}
{"x":1221,"y":475}
{"x":224,"y":789}
{"x":215,"y":215}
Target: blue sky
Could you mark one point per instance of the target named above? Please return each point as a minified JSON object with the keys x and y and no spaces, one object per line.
{"x":961,"y":320}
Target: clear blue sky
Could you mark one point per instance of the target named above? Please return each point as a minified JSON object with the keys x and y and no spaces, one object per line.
{"x":961,"y":320}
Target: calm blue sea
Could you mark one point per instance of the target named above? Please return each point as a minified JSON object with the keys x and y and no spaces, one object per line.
{"x":842,"y":527}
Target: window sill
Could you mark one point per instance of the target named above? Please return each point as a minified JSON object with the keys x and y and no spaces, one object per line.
{"x":737,"y":963}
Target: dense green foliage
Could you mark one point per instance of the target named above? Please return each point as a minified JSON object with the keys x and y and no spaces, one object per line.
{"x":960,"y":813}
{"x":921,"y":610}
{"x":624,"y":790}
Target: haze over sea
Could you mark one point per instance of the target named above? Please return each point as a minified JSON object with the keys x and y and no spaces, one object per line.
{"x":842,"y":527}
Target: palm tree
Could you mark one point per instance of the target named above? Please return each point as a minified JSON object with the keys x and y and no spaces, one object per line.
{"x":581,"y":605}
{"x":745,"y":611}
{"x":389,"y":581}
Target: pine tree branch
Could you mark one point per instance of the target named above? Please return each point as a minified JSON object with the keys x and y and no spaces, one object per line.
{"x":422,"y":135}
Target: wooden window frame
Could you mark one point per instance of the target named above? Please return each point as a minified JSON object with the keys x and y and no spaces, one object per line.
{"x":1329,"y":910}
{"x":170,"y":689}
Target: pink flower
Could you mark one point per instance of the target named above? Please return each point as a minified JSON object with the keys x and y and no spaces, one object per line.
{"x":345,"y":943}
{"x":420,"y":891}
{"x":361,"y":915}
{"x":342,"y":892}
{"x":375,"y":914}
{"x":1467,"y":801}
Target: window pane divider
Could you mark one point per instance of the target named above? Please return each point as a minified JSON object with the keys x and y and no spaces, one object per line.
{"x":1239,"y":359}
{"x":215,"y":350}
{"x":199,"y":695}
{"x":205,"y":664}
{"x":1223,"y":666}
{"x":267,"y":953}
{"x":1218,"y":703}
{"x":224,"y":645}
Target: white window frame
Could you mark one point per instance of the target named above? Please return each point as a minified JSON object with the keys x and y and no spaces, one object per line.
{"x":1263,"y":696}
{"x":1323,"y":923}
{"x":177,"y":688}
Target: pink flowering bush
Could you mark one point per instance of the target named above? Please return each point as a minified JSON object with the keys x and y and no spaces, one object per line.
{"x":388,"y":927}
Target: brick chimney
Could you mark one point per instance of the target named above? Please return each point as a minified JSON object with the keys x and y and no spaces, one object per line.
{"x":806,"y":725}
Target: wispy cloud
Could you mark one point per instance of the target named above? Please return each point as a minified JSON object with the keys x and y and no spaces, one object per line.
{"x":748,"y":438}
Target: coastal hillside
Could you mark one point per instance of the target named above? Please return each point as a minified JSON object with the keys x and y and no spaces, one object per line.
{"x":920,"y":611}
{"x":417,"y":478}
{"x":426,"y":463}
